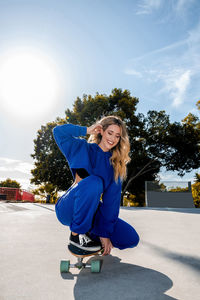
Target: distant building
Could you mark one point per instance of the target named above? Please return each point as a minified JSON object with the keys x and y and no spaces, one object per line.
{"x":14,"y":194}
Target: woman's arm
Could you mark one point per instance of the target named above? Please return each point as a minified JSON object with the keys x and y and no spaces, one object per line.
{"x":74,"y":148}
{"x":68,"y":132}
{"x":66,"y":138}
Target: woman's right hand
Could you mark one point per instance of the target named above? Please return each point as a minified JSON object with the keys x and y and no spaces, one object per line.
{"x":107,"y":245}
{"x":94,"y":129}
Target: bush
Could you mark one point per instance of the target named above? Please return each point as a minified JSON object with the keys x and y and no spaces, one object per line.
{"x":130,"y":200}
{"x":196,"y":194}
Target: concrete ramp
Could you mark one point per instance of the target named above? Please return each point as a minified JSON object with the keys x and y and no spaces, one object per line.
{"x":168,"y":194}
{"x":165,"y":265}
{"x":173,"y":200}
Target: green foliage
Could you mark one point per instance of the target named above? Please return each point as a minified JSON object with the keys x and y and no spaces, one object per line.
{"x":130,"y":200}
{"x":50,"y":165}
{"x":46,"y":189}
{"x":176,"y":145}
{"x":184,"y":142}
{"x":191,"y":120}
{"x":197,"y":177}
{"x":155,"y":142}
{"x":196,"y":193}
{"x":178,"y":189}
{"x":10,"y":183}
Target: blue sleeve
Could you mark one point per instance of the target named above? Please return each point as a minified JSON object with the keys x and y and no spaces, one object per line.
{"x":72,"y":147}
{"x":108,"y":211}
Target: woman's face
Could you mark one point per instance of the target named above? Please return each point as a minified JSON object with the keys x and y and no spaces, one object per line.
{"x":110,"y":137}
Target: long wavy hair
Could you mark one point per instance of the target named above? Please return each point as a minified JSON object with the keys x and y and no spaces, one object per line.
{"x":120,"y":153}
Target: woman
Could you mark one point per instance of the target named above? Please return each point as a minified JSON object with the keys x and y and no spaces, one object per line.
{"x":91,"y":205}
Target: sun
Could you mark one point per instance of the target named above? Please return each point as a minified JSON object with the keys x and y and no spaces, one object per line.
{"x":29,"y":84}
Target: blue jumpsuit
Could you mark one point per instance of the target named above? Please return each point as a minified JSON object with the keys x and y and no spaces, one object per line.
{"x":93,"y":203}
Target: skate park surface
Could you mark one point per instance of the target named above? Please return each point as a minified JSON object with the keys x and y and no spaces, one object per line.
{"x":164,"y":265}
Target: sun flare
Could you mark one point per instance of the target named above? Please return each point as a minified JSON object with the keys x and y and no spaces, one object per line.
{"x":29,"y":84}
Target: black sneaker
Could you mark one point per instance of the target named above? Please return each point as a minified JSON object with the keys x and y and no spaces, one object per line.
{"x":84,"y":242}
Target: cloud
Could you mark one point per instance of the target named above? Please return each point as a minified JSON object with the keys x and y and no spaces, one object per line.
{"x":182,"y":5}
{"x":16,"y":170}
{"x":178,"y":7}
{"x":148,"y":6}
{"x":173,"y":70}
{"x":13,"y":165}
{"x":175,"y":84}
{"x":180,"y":87}
{"x":133,"y":72}
{"x":163,"y":50}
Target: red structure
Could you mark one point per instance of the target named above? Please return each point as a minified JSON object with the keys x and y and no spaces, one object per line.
{"x":14,"y":194}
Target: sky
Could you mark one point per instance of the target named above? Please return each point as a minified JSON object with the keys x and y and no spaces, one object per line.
{"x":52,"y":52}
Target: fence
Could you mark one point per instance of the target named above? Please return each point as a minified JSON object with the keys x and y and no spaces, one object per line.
{"x":14,"y":194}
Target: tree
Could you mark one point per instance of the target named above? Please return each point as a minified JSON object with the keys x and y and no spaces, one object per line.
{"x":50,"y":165}
{"x":46,"y":189}
{"x":10,"y":183}
{"x":183,"y":140}
{"x":197,"y":177}
{"x":196,"y":193}
{"x":192,"y":125}
{"x":174,"y":146}
{"x":192,"y":120}
{"x":155,"y":142}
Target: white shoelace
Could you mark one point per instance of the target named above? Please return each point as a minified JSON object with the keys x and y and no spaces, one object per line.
{"x":84,"y":239}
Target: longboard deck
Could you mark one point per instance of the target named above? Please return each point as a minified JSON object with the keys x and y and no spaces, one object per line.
{"x":81,"y":253}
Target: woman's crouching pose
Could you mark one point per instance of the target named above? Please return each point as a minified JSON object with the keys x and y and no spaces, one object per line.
{"x":91,"y":205}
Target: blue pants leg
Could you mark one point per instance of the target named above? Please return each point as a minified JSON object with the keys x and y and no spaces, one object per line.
{"x":124,"y":236}
{"x":77,"y":207}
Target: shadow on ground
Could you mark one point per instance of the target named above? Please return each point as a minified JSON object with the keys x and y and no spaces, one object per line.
{"x":192,"y":262}
{"x":120,"y":281}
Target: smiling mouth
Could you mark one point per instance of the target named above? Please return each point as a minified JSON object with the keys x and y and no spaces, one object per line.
{"x":110,"y":143}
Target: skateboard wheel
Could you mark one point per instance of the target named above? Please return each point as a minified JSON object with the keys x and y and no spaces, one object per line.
{"x":64,"y":266}
{"x":95,"y":266}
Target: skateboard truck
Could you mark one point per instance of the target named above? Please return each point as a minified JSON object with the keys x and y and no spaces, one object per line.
{"x":95,"y":265}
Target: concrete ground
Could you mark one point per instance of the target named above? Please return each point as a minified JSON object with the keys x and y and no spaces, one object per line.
{"x":165,"y":265}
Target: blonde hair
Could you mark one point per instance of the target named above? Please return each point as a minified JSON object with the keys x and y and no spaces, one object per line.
{"x":120,"y":153}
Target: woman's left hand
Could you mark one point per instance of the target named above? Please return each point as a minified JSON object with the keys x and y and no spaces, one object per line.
{"x":107,"y":245}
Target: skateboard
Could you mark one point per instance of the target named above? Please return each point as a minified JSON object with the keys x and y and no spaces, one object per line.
{"x":95,"y":265}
